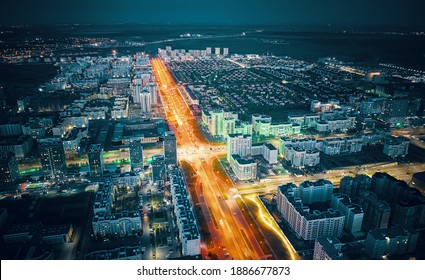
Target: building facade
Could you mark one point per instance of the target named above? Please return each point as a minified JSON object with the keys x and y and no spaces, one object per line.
{"x":52,"y":156}
{"x":96,"y":164}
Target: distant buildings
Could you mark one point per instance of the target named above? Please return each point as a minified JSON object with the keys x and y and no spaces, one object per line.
{"x":372,"y":106}
{"x":136,"y":155}
{"x":96,"y":164}
{"x":9,"y":171}
{"x":52,"y":156}
{"x":170,"y":148}
{"x":396,"y":146}
{"x":319,"y":107}
{"x":262,"y":125}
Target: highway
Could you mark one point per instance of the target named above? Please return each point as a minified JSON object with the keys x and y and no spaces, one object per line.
{"x":231,"y":234}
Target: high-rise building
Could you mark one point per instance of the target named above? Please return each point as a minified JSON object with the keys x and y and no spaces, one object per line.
{"x":208,"y":51}
{"x":376,"y":212}
{"x":152,"y":89}
{"x":95,"y":157}
{"x":8,"y":171}
{"x":238,"y":144}
{"x":395,"y":110}
{"x":186,"y":221}
{"x":158,"y":169}
{"x":136,"y":155}
{"x":217,"y":122}
{"x":307,"y":224}
{"x":229,"y":125}
{"x":353,"y":213}
{"x":170,"y":148}
{"x":217,"y":51}
{"x":328,"y":248}
{"x":317,"y":191}
{"x":354,"y":187}
{"x":52,"y":156}
{"x":396,"y":146}
{"x":145,"y":101}
{"x":244,"y":169}
{"x":225,"y":51}
{"x":388,"y":242}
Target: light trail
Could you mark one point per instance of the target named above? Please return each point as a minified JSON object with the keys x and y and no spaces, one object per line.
{"x":271,"y":224}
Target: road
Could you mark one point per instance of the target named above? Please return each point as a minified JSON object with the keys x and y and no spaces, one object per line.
{"x":231,"y":234}
{"x":402,"y":172}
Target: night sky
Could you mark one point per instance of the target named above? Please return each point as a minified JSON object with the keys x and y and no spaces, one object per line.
{"x":395,"y":13}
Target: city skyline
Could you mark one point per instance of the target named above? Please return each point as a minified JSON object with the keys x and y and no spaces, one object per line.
{"x":212,"y":131}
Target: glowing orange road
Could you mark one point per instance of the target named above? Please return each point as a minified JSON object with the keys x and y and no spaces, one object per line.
{"x":217,"y":209}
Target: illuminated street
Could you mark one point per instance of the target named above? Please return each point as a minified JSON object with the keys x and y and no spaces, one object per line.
{"x":231,"y":225}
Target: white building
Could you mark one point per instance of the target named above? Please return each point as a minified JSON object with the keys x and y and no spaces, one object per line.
{"x":266,"y":150}
{"x":127,"y":179}
{"x":300,"y":158}
{"x":302,"y":143}
{"x":328,"y":248}
{"x":336,"y":146}
{"x":260,"y":118}
{"x":124,"y":223}
{"x":244,"y":169}
{"x":396,"y":146}
{"x":215,"y":121}
{"x":239,"y":144}
{"x":145,"y":101}
{"x":307,"y":224}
